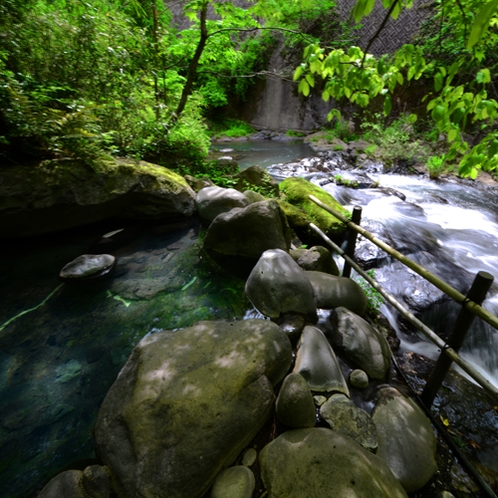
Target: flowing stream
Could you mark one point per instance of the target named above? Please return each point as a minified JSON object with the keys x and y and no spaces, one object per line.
{"x":61,"y":347}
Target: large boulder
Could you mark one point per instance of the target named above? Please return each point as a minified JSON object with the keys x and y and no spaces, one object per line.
{"x":212,"y":201}
{"x":332,"y":291}
{"x":406,"y":438}
{"x":322,"y":463}
{"x":258,"y":179}
{"x":57,"y":195}
{"x":247,"y":233}
{"x":186,"y":403}
{"x":296,"y":191}
{"x":277,"y":285}
{"x":318,"y":364}
{"x":361,"y":343}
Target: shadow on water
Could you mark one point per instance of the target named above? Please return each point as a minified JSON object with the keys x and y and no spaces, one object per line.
{"x":58,"y":361}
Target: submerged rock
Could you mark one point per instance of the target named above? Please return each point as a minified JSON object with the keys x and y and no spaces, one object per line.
{"x":361,"y":343}
{"x":322,"y":463}
{"x":212,"y":201}
{"x":331,"y":292}
{"x":277,"y":285}
{"x":87,"y":267}
{"x":295,"y":407}
{"x":61,"y":194}
{"x":186,"y":403}
{"x":406,"y":438}
{"x":317,"y":363}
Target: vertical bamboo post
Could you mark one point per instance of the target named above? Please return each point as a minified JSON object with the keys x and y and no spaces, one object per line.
{"x":351,"y":241}
{"x":477,"y":293}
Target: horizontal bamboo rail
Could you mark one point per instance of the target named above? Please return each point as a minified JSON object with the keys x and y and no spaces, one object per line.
{"x":420,"y":270}
{"x":451,"y":353}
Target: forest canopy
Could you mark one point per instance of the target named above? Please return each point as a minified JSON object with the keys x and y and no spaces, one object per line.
{"x":122,"y":77}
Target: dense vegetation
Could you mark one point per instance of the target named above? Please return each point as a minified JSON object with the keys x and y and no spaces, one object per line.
{"x":455,"y":60}
{"x":135,"y":78}
{"x":120,"y":77}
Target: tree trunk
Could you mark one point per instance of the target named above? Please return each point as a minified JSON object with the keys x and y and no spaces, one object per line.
{"x":192,"y":70}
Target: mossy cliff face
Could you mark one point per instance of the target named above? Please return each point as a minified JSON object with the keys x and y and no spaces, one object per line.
{"x":56,"y":195}
{"x":295,"y":202}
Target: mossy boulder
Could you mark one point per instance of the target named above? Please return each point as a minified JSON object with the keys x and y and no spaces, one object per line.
{"x":61,"y":194}
{"x":186,"y":403}
{"x":300,"y":210}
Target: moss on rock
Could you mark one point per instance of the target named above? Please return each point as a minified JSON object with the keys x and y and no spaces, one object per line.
{"x":295,"y":202}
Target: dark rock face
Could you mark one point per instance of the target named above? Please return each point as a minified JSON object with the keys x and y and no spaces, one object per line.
{"x":186,"y":403}
{"x":57,"y":195}
{"x":240,"y":236}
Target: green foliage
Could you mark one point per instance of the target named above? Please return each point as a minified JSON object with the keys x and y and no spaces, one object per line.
{"x":459,"y":101}
{"x":396,"y":141}
{"x":231,"y":128}
{"x":435,"y":166}
{"x":374,"y":298}
{"x":297,"y":134}
{"x":220,"y":174}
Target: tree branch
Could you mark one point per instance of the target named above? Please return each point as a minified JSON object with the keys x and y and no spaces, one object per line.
{"x":379,"y":30}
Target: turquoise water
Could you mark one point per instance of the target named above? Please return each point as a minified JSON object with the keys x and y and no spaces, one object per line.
{"x":58,"y":360}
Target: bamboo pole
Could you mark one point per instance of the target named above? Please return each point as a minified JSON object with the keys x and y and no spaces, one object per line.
{"x":437,"y":282}
{"x":450,"y":352}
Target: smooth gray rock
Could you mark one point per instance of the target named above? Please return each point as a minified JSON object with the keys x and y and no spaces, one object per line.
{"x":250,"y":456}
{"x":249,"y":232}
{"x":212,"y":201}
{"x":361,"y":343}
{"x":322,"y":463}
{"x":60,"y":194}
{"x":318,"y":258}
{"x":406,"y":438}
{"x":87,"y":266}
{"x":234,"y":482}
{"x":317,"y":363}
{"x":277,"y":285}
{"x":295,"y":407}
{"x":344,"y":416}
{"x":186,"y":404}
{"x":331,"y":292}
{"x":358,"y":378}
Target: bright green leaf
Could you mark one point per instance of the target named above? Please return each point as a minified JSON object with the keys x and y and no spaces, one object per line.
{"x":481,"y":23}
{"x":388,"y":105}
